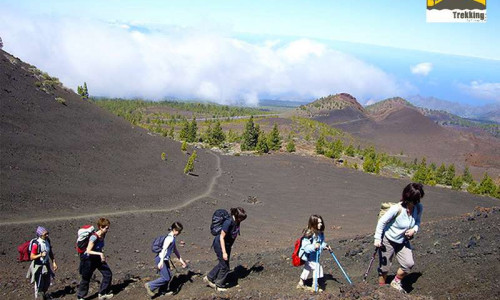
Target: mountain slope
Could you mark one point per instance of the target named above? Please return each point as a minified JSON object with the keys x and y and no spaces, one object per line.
{"x":52,"y":152}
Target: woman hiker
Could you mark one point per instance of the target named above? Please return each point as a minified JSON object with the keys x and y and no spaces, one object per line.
{"x":222,"y":245}
{"x":40,"y":270}
{"x":93,"y":258}
{"x":394,"y":231}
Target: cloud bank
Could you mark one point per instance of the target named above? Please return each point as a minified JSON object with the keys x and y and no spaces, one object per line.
{"x":482,"y":90}
{"x":120,"y":60}
{"x":422,"y":69}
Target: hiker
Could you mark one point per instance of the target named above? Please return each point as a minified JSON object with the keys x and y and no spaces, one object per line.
{"x":222,"y":245}
{"x":93,"y":258}
{"x":312,"y":242}
{"x":394,"y":231}
{"x":40,"y":271}
{"x":163,"y":257}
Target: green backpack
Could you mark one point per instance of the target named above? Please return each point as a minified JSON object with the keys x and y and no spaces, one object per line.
{"x":384,"y":207}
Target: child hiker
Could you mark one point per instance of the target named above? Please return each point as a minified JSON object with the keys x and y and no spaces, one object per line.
{"x":39,"y":270}
{"x":93,"y":258}
{"x":312,"y":243}
{"x":162,"y":260}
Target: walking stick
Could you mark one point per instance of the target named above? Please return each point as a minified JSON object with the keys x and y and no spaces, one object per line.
{"x":370,"y":265}
{"x":342,"y":269}
{"x":316,"y":271}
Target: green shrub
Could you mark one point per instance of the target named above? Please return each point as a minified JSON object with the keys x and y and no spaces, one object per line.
{"x":61,"y":100}
{"x":163,"y":156}
{"x":190,"y":164}
{"x":290,"y":147}
{"x":184,"y":146}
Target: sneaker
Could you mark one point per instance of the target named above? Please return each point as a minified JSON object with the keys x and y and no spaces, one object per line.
{"x":220,"y":289}
{"x":148,"y":290}
{"x":398,"y":286}
{"x":301,"y":285}
{"x":105,"y":296}
{"x":209,"y":282}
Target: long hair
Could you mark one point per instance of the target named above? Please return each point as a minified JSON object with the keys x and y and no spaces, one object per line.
{"x":312,"y":224}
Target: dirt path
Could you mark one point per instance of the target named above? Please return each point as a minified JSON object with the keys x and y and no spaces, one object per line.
{"x":126,"y":212}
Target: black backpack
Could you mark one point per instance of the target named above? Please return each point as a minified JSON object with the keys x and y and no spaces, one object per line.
{"x":218,"y":218}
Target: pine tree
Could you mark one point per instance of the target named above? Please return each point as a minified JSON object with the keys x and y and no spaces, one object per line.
{"x":171,"y":132}
{"x":349,"y":151}
{"x":487,"y":186}
{"x":456,"y":183}
{"x":262,"y":146}
{"x":431,"y":176}
{"x":420,"y":175}
{"x":290,"y":147}
{"x":184,"y":146}
{"x":274,"y":138}
{"x":320,"y":144}
{"x":192,"y":131}
{"x":250,"y":136}
{"x":473,"y":188}
{"x":467,"y":176}
{"x":218,"y":136}
{"x":85,"y":91}
{"x":190,"y":164}
{"x":184,"y":134}
{"x":441,"y":174}
{"x":208,"y":135}
{"x":450,"y":174}
{"x":338,"y":148}
{"x":369,"y":164}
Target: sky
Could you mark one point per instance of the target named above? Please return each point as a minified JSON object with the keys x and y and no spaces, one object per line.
{"x":240,"y":51}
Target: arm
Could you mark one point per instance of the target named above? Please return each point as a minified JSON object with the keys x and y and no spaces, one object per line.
{"x":51,"y":255}
{"x":382,"y":222}
{"x":223,"y":245}
{"x":34,"y":250}
{"x":308,"y":246}
{"x":184,"y":265}
{"x":166,"y":243}
{"x":90,"y":246}
{"x":412,"y":231}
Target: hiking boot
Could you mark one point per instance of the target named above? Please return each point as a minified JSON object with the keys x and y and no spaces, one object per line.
{"x":398,"y":286}
{"x":148,"y":290}
{"x":301,"y":285}
{"x":105,"y":296}
{"x":209,"y":282}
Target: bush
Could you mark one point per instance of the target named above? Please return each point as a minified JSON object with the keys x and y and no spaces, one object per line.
{"x":184,"y":146}
{"x":61,"y":100}
{"x":163,"y":156}
{"x":190,"y":164}
{"x":290,"y":147}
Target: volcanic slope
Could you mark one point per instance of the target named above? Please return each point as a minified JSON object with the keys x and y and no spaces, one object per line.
{"x":394,"y":125}
{"x":73,"y":158}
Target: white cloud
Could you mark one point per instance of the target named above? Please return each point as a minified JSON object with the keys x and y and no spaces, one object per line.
{"x":482,"y":90}
{"x":422,"y":69}
{"x":119,"y":61}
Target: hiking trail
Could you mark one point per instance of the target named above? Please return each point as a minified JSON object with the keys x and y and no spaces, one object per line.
{"x":209,"y":190}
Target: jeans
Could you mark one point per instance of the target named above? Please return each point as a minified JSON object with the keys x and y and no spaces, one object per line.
{"x":219,"y":272}
{"x":87,"y":267}
{"x":165,"y":275}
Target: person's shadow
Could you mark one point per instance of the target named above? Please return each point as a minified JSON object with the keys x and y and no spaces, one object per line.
{"x":67,"y":290}
{"x":175,"y":285}
{"x":241,"y":272}
{"x":409,"y":280}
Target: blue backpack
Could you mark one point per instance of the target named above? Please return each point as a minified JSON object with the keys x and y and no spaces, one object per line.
{"x":157,"y":245}
{"x":218,"y":219}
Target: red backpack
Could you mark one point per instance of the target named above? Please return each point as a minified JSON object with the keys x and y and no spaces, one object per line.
{"x":296,"y":259}
{"x":25,"y":250}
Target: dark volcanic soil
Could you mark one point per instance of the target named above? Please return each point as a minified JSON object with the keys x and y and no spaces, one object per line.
{"x":63,"y":166}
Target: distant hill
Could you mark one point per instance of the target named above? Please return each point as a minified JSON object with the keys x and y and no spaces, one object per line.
{"x":489,"y":112}
{"x":325,"y":105}
{"x":56,"y":146}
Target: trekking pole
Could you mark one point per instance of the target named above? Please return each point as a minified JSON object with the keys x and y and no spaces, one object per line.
{"x":316,"y":271}
{"x":342,"y":269}
{"x":370,"y":265}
